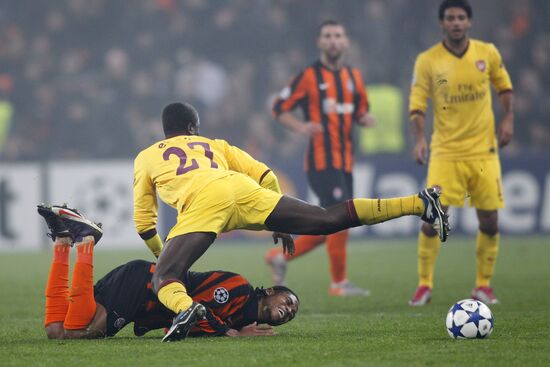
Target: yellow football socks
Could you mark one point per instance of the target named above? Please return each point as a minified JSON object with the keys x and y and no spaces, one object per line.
{"x":372,"y":211}
{"x":428,"y":249}
{"x":486,"y":255}
{"x":174,"y":296}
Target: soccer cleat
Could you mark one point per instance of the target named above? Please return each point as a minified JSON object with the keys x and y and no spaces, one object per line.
{"x":77,"y":224}
{"x":278,"y":265}
{"x":55,"y":224}
{"x":347,"y":288}
{"x":422,"y":296}
{"x":433,"y":212}
{"x":185,"y":320}
{"x":485,"y":295}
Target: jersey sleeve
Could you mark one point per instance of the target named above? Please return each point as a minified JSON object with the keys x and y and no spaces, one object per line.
{"x":420,"y":86}
{"x":362,"y":104}
{"x":212,"y":325}
{"x":497,"y":72}
{"x":145,"y":197}
{"x":291,"y":95}
{"x":240,"y":161}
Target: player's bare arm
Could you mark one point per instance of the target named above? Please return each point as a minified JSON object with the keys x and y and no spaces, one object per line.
{"x":506,"y":127}
{"x":252,"y":330}
{"x":421,"y":144}
{"x":307,"y":128}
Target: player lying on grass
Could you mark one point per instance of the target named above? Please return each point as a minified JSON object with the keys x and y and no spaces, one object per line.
{"x":216,"y":187}
{"x":233,"y":307}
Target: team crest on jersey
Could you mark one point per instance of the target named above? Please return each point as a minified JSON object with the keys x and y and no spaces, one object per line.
{"x":119,"y":323}
{"x":221,"y":295}
{"x":480,"y":64}
{"x":350,"y":86}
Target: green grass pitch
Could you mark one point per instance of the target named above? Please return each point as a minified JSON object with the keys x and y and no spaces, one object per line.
{"x":380,"y":330}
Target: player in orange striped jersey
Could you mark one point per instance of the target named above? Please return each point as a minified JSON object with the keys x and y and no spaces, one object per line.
{"x":332,"y":98}
{"x":125,"y":295}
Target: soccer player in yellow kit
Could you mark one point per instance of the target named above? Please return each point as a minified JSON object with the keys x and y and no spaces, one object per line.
{"x":456,"y":74}
{"x":216,"y":187}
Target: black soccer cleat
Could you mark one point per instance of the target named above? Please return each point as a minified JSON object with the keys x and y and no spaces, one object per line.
{"x":77,"y":224}
{"x":433,"y":212}
{"x":55,"y":224}
{"x":184,"y":322}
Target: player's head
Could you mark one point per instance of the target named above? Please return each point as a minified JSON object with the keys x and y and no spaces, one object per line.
{"x":332,"y":40}
{"x":455,"y":18}
{"x":180,"y":119}
{"x":277,"y":305}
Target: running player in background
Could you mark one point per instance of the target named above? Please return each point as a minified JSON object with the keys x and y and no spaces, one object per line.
{"x":124,"y":295}
{"x":456,"y":74}
{"x":332,"y":97}
{"x":217,"y":188}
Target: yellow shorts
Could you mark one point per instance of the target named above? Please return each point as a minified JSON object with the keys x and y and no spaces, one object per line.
{"x":231,"y":202}
{"x":479,"y":180}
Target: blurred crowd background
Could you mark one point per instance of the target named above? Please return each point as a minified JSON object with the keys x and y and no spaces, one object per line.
{"x":87,"y":79}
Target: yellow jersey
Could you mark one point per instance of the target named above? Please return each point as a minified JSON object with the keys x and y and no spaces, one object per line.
{"x":178,"y":168}
{"x":460,"y":90}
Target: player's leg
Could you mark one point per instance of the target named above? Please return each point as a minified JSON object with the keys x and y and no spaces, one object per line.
{"x":57,"y":286}
{"x":452,"y":181}
{"x":487,"y":197}
{"x":291,"y":215}
{"x":177,"y":256}
{"x":82,"y":307}
{"x":337,"y":242}
{"x":277,"y":260}
{"x":84,"y":319}
{"x":487,"y":245}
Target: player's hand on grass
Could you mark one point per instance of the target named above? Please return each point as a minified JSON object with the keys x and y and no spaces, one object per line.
{"x":311,"y":128}
{"x":366,"y":120}
{"x":252,"y":330}
{"x":421,"y":151}
{"x":287,"y":242}
{"x":506,"y":130}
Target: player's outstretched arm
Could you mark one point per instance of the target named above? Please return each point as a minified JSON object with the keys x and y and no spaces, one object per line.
{"x":252,"y":330}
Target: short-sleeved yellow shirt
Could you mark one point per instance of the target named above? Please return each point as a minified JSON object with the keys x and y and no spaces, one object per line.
{"x":460,"y":90}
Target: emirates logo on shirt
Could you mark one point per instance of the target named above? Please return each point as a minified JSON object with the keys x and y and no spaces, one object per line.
{"x":480,"y":64}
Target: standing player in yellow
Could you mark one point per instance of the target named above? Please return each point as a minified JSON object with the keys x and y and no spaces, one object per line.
{"x":456,"y":75}
{"x":216,"y":188}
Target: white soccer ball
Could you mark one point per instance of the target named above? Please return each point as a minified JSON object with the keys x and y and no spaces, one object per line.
{"x":469,"y":319}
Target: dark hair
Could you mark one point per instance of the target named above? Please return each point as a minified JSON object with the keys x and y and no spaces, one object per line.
{"x":327,"y":23}
{"x":176,"y":118}
{"x":261,"y":291}
{"x":446,"y":4}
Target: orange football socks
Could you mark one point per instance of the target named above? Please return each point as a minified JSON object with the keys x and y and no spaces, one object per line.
{"x":57,"y":288}
{"x":336,"y":248}
{"x":82,"y":305}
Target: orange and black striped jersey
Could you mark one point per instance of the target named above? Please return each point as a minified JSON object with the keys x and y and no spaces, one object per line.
{"x":333,"y":98}
{"x":230,"y":301}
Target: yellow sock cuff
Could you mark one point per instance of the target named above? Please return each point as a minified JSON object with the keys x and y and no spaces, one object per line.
{"x":372,"y":211}
{"x":174,"y":296}
{"x":155,"y":245}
